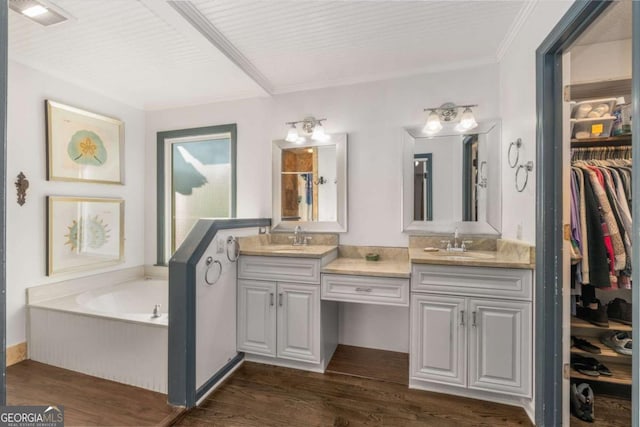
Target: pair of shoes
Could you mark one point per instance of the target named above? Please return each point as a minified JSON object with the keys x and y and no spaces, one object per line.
{"x":620,"y":311}
{"x":585,"y":345}
{"x":596,"y":313}
{"x":619,"y":341}
{"x":589,"y":366}
{"x":582,"y":402}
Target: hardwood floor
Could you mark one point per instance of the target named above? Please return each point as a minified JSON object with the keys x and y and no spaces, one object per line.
{"x":363,"y":362}
{"x":263,"y":395}
{"x":87,"y":400}
{"x":609,"y":412}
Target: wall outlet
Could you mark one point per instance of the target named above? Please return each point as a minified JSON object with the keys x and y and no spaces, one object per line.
{"x":519,"y":232}
{"x":219,"y":245}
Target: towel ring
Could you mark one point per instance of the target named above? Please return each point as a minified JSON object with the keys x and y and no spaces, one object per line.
{"x":527,"y":167}
{"x":517,"y":143}
{"x":210,"y":266}
{"x":236,"y":248}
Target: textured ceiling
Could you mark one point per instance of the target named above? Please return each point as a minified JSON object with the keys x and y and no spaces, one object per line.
{"x":149,"y":55}
{"x":306,"y":44}
{"x":124,"y":50}
{"x":613,"y":25}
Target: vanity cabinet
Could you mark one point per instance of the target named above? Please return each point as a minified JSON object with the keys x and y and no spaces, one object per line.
{"x":279,"y":319}
{"x":464,"y":338}
{"x":280,"y":314}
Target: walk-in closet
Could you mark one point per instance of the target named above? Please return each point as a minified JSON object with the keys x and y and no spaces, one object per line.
{"x":598,"y":234}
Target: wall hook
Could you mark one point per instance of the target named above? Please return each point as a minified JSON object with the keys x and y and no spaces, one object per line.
{"x":320,"y":181}
{"x":22,"y":184}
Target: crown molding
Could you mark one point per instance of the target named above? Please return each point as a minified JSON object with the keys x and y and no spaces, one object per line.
{"x":516,"y":26}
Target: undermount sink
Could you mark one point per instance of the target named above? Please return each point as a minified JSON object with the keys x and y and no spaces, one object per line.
{"x":461,"y":255}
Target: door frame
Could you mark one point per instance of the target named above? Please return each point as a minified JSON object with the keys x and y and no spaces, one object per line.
{"x":4,"y":71}
{"x":549,"y":198}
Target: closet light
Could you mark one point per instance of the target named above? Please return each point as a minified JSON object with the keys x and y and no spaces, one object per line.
{"x":433,"y":124}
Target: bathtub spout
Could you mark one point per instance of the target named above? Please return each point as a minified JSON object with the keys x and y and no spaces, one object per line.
{"x":156,"y":311}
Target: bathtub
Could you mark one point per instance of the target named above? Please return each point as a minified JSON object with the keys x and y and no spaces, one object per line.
{"x":109,"y":332}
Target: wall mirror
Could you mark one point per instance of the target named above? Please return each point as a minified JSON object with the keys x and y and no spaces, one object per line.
{"x":310,"y":185}
{"x":452,"y":181}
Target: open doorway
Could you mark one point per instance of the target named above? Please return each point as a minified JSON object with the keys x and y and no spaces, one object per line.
{"x":587,"y":90}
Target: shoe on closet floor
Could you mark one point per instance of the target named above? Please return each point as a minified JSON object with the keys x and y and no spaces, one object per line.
{"x":584,"y":366}
{"x":619,"y":341}
{"x":585,"y":345}
{"x":620,"y":311}
{"x":595,"y":313}
{"x":582,"y":402}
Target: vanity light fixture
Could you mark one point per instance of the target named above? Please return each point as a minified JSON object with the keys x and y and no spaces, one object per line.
{"x":310,"y":127}
{"x":448,"y":112}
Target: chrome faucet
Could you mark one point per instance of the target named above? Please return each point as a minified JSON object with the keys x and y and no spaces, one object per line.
{"x":455,"y":247}
{"x":298,"y":238}
{"x":156,"y":311}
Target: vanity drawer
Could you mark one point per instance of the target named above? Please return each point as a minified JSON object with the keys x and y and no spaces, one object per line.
{"x":279,"y":269}
{"x":365,"y":289}
{"x":472,"y":281}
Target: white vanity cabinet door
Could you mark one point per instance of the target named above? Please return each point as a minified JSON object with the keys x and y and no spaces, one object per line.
{"x":500,"y":346}
{"x":257,"y":317}
{"x":299,"y":322}
{"x":438,"y":339}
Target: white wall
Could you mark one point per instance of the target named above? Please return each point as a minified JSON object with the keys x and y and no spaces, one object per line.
{"x":601,"y":61}
{"x":373,"y":115}
{"x":518,"y":112}
{"x":26,"y":152}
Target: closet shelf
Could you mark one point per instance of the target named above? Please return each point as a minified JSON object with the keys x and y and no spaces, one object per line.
{"x":613,"y":141}
{"x":606,"y":354}
{"x":613,"y":325}
{"x":621,"y":374}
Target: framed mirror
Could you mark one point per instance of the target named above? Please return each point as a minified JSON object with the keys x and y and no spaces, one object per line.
{"x":310,"y":185}
{"x":452,"y":180}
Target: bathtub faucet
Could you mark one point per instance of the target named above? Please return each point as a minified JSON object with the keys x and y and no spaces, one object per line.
{"x":156,"y":311}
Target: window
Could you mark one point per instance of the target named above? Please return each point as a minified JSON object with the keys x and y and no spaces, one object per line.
{"x":196,"y":179}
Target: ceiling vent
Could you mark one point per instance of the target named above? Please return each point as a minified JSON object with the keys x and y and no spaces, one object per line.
{"x":44,"y":13}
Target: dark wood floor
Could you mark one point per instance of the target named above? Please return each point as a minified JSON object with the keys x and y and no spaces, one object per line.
{"x":87,"y":400}
{"x":363,"y":362}
{"x":609,"y":412}
{"x":263,"y":395}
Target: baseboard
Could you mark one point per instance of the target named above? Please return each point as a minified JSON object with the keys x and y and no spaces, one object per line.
{"x":16,"y":353}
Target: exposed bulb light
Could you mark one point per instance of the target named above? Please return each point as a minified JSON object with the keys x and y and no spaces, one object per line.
{"x":467,"y":121}
{"x":319,"y":134}
{"x":433,"y":124}
{"x":292,"y":134}
{"x":34,"y":11}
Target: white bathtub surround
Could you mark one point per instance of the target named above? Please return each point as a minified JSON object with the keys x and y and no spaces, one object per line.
{"x":108,"y":332}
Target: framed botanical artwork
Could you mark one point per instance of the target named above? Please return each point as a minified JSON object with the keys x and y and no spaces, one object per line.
{"x":83,"y":146}
{"x":84,"y":233}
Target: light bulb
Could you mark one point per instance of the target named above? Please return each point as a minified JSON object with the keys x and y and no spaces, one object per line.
{"x":318,"y":133}
{"x":433,"y":124}
{"x":34,"y":11}
{"x":292,"y":134}
{"x":467,"y":121}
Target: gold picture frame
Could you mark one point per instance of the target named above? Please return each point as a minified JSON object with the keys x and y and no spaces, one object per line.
{"x":84,"y":233}
{"x":83,"y":146}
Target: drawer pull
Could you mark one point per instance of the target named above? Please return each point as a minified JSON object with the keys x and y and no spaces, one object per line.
{"x":474,"y":319}
{"x":462,"y":318}
{"x":364,"y":289}
{"x":271,"y":299}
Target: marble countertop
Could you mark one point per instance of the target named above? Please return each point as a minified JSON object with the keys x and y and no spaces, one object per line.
{"x":308,"y":251}
{"x":362,"y":267}
{"x":471,"y":258}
